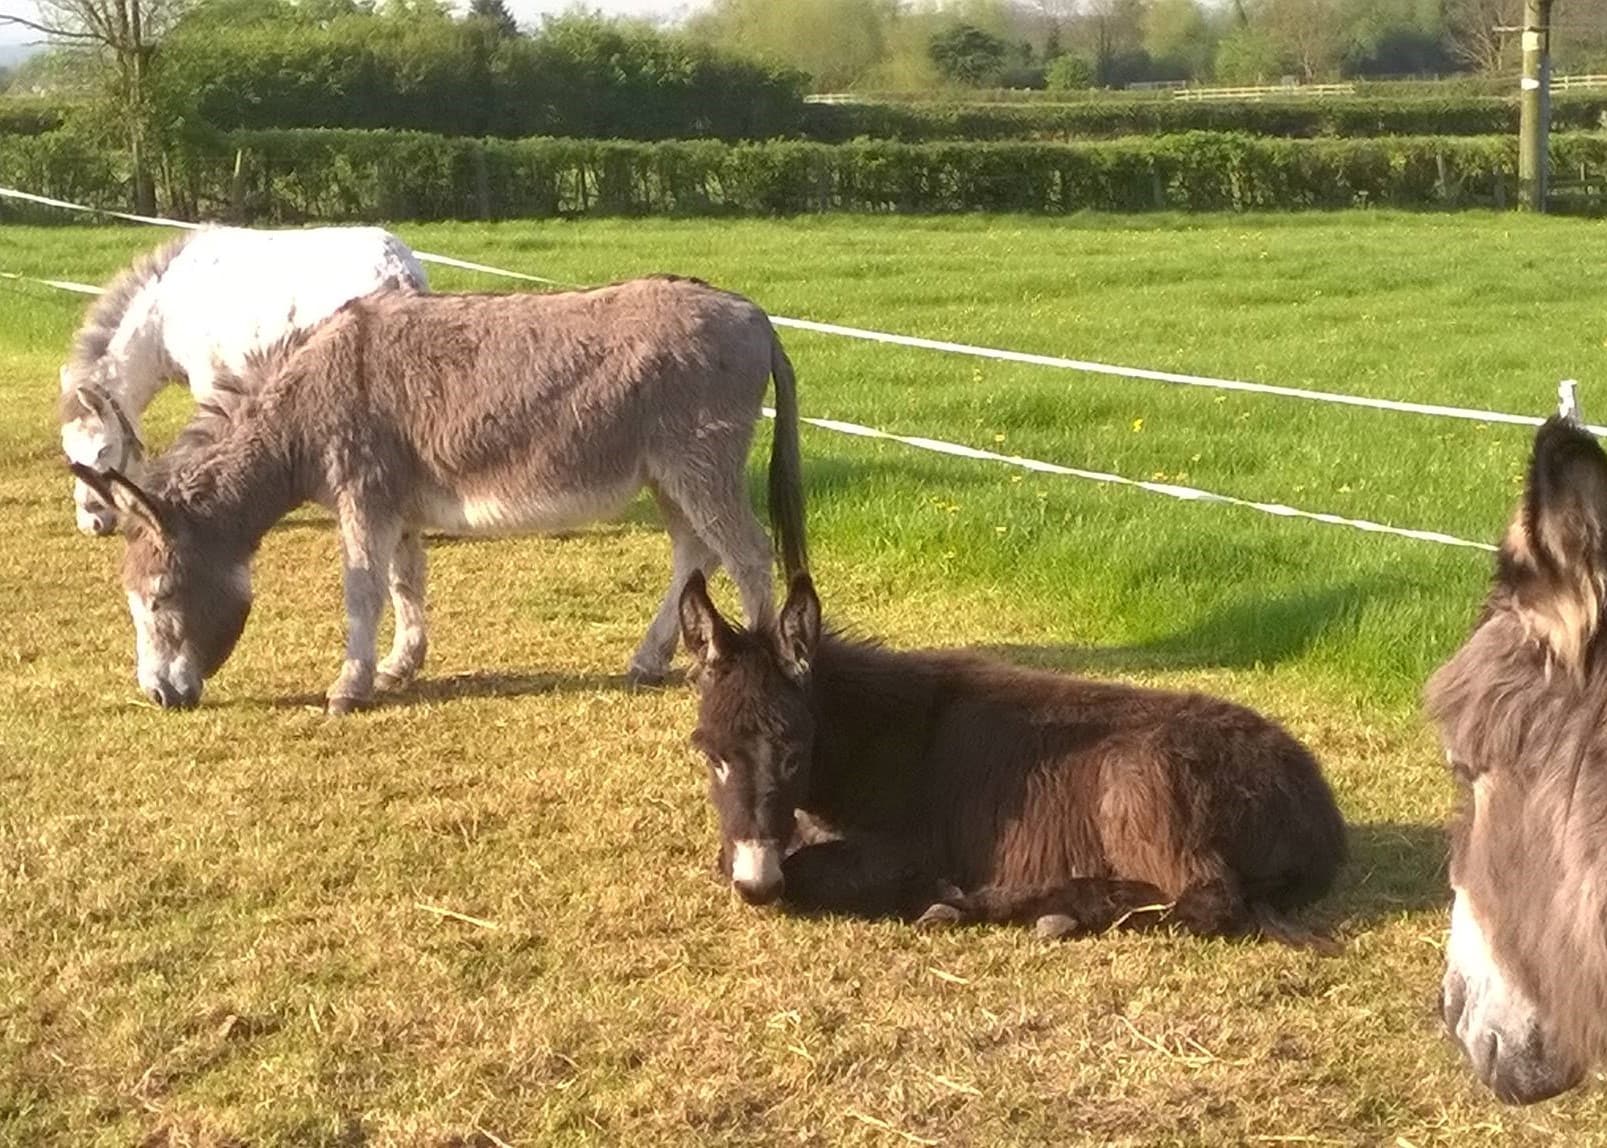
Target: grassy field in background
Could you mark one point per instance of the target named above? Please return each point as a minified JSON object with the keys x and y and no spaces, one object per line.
{"x":218,"y":927}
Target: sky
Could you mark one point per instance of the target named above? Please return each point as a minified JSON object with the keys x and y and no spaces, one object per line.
{"x":525,"y":11}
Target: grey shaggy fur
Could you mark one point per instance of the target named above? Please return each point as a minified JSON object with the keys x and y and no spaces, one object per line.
{"x":470,"y":414}
{"x":1522,"y":712}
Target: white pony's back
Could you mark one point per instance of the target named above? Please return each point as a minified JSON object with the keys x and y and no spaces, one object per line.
{"x":232,"y":291}
{"x":201,"y":307}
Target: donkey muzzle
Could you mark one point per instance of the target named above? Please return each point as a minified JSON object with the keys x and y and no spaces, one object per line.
{"x":756,"y":871}
{"x":173,"y":697}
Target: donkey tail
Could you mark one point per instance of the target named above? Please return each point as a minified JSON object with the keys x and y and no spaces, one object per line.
{"x":786,"y":469}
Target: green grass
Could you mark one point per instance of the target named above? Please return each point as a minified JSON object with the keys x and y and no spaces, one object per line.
{"x":210,"y":923}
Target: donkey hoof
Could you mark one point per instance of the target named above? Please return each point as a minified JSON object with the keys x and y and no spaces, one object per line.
{"x":386,"y":682}
{"x":939,"y":916}
{"x":1056,"y":927}
{"x":340,"y":706}
{"x":640,"y":675}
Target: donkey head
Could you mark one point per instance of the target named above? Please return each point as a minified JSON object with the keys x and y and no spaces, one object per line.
{"x":756,"y":727}
{"x":1521,"y":709}
{"x":189,"y":595}
{"x":96,"y":433}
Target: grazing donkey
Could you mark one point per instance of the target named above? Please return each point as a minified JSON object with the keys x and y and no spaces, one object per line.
{"x":471,"y":414}
{"x":983,"y":792}
{"x":1522,"y":713}
{"x":197,"y":308}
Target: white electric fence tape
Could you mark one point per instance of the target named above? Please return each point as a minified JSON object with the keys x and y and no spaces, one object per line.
{"x":1171,"y":490}
{"x":61,"y":284}
{"x":915,"y":341}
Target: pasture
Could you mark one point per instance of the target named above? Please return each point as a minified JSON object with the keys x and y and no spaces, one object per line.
{"x":487,"y":913}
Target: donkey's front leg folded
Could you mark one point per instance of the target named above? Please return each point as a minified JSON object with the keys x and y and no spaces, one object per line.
{"x":862,"y":875}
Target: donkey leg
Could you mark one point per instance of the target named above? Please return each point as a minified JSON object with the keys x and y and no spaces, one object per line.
{"x":866,"y":876}
{"x":722,"y":516}
{"x":407,"y":603}
{"x":366,"y":550}
{"x":1080,"y":906}
{"x":688,"y":553}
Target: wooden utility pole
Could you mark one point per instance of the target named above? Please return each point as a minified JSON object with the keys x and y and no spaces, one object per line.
{"x":1534,"y":102}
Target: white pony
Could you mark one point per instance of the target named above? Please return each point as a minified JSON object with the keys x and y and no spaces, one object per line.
{"x":196,"y":308}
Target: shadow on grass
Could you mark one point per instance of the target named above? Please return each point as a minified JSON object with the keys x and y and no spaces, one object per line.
{"x":637,"y":519}
{"x":1393,"y":869}
{"x":1242,"y":634}
{"x":491,"y":684}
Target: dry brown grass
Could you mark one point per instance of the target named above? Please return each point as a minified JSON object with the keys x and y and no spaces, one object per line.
{"x":486,"y":914}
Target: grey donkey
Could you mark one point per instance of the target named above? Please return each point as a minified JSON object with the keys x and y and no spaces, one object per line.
{"x":468,"y":414}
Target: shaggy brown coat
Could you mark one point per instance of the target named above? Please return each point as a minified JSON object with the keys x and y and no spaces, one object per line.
{"x":1005,"y":794}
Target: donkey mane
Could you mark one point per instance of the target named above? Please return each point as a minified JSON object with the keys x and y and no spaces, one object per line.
{"x":106,"y":313}
{"x":231,"y":403}
{"x":186,"y":472}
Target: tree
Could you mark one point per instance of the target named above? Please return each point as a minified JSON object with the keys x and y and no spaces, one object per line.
{"x":1246,"y":55}
{"x":1051,"y":43}
{"x":965,"y":54}
{"x":1069,"y":73}
{"x":1308,"y":34}
{"x":1580,"y":41}
{"x":838,"y":42}
{"x":1178,"y":36}
{"x":495,"y":14}
{"x":124,"y":35}
{"x":1471,"y":28}
{"x":416,"y":11}
{"x":1116,"y":28}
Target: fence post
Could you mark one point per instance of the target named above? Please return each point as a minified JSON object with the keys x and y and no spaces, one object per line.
{"x":237,"y":188}
{"x":1534,"y":104}
{"x":482,"y":181}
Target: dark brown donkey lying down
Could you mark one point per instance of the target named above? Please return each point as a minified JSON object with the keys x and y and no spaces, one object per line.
{"x":968,"y":790}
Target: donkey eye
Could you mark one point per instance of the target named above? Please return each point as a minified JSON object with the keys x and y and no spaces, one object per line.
{"x":1460,"y":769}
{"x":722,"y":770}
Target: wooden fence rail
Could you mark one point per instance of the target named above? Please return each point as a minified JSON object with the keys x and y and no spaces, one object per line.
{"x":1261,"y":92}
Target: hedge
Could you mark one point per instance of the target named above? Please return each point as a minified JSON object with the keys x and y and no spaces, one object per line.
{"x":29,"y":115}
{"x":1296,"y":118}
{"x":295,"y":176}
{"x":576,"y":77}
{"x":1467,"y":83}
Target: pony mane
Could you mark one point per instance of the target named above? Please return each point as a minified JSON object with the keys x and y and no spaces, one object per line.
{"x":105,"y":313}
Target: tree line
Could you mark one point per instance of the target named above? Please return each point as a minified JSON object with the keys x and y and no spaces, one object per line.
{"x":886,"y":45}
{"x":155,"y":78}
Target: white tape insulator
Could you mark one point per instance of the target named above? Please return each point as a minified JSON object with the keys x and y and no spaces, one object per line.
{"x":1568,"y":400}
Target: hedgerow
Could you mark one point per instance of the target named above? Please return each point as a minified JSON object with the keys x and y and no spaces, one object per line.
{"x":298,"y":175}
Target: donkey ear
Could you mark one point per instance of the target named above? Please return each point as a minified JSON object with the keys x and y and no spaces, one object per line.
{"x":89,"y":400}
{"x":1558,"y":546}
{"x":1565,"y":504}
{"x":798,"y":631}
{"x":707,"y":634}
{"x":137,"y":508}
